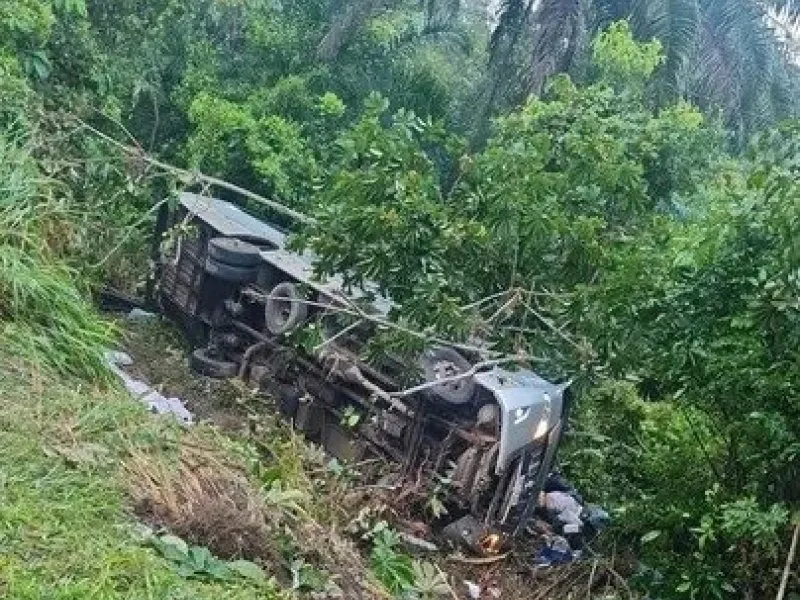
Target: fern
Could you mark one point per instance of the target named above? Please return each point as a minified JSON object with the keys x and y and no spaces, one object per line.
{"x":394,"y":569}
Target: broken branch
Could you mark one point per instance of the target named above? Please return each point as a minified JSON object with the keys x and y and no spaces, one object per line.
{"x":194,"y":176}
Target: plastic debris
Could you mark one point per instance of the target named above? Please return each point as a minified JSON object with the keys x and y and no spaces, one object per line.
{"x":567,"y":515}
{"x":155,"y":401}
{"x":596,"y":517}
{"x":473,"y":590}
{"x":137,"y":315}
{"x":556,"y":552}
{"x":118,"y":359}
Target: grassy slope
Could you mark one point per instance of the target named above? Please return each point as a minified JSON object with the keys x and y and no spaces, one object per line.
{"x":64,"y":531}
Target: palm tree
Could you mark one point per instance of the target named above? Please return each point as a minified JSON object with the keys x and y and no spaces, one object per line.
{"x":722,"y":54}
{"x":349,"y":16}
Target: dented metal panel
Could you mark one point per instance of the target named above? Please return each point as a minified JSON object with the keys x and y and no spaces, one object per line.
{"x":529,"y":408}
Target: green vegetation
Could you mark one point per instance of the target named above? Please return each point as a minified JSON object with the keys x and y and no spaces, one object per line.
{"x":43,"y":317}
{"x":728,"y":56}
{"x":635,"y":250}
{"x":634,"y":224}
{"x":64,"y":529}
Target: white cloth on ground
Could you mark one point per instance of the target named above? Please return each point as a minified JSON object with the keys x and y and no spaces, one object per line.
{"x":565,"y":507}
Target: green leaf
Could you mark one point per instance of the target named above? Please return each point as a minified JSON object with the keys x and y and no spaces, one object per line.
{"x":248,"y":570}
{"x":175,"y":542}
{"x":41,"y":65}
{"x":171,"y":547}
{"x":200,"y":557}
{"x":186,"y":571}
{"x":218,"y":569}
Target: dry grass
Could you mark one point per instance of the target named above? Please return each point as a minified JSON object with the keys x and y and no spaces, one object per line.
{"x":202,"y":499}
{"x":202,"y":495}
{"x":66,"y":533}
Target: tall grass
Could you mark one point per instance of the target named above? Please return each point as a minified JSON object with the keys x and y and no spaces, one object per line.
{"x":44,"y":319}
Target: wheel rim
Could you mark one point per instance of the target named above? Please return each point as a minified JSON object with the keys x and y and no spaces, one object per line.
{"x":284,"y":310}
{"x":443,"y":369}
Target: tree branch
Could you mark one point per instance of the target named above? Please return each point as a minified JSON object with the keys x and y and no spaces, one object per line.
{"x":469,"y":373}
{"x":378,"y":321}
{"x":789,"y":559}
{"x":194,"y":176}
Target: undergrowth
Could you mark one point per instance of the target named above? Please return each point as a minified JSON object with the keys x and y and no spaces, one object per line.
{"x":258,"y":505}
{"x":46,"y":320}
{"x":44,"y":317}
{"x":65,"y":532}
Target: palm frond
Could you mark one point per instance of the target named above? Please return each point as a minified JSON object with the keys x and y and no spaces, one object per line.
{"x":344,"y":23}
{"x":441,"y":13}
{"x":559,"y":29}
{"x":790,"y":8}
{"x":605,"y":12}
{"x":453,"y":35}
{"x":512,"y":20}
{"x":713,"y":76}
{"x":740,"y":66}
{"x":505,"y":65}
{"x":722,"y":54}
{"x":675,"y":23}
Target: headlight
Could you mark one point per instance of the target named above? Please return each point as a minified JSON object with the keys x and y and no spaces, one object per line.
{"x":544,"y":422}
{"x":541,"y":428}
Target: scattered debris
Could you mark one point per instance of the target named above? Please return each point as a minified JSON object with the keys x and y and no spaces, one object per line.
{"x":476,"y":536}
{"x":473,"y":590}
{"x":557,"y":551}
{"x":477,"y":561}
{"x":569,"y":522}
{"x":113,"y":300}
{"x":118,"y":359}
{"x":138,"y":315}
{"x":155,"y":401}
